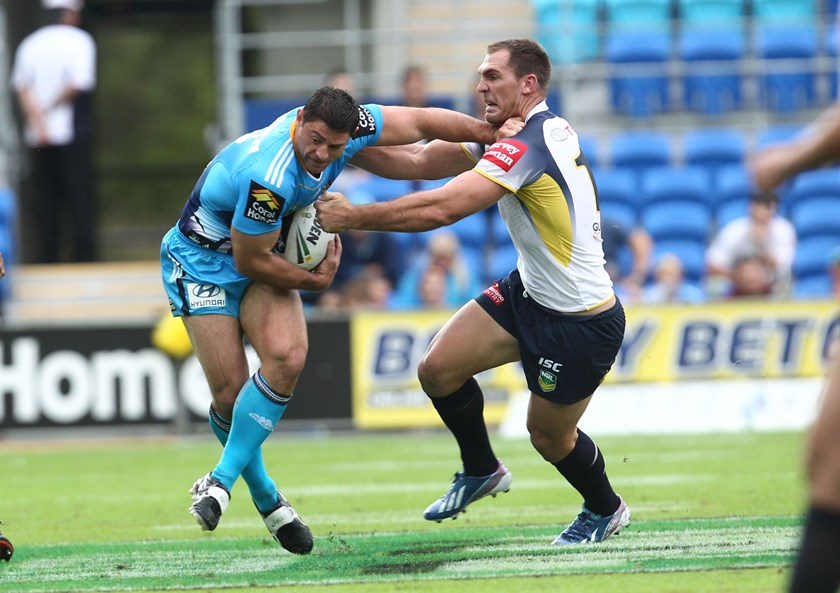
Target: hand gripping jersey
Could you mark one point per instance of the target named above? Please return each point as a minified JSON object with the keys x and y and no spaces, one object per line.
{"x":257,"y":180}
{"x":551,"y":212}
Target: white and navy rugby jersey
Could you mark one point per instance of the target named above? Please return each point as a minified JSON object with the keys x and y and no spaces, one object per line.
{"x":551,"y":211}
{"x":257,"y":180}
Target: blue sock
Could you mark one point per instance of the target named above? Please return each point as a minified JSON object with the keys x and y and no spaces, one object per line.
{"x":262,"y":487}
{"x":257,"y":410}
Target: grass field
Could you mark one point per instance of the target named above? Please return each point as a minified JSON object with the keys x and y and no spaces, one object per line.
{"x":714,"y":513}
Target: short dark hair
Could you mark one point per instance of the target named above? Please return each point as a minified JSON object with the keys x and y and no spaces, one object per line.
{"x":764,"y":197}
{"x":335,"y":107}
{"x":527,"y":57}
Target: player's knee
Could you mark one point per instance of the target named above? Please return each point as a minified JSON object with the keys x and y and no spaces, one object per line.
{"x":552,"y":446}
{"x":435,"y":378}
{"x":288,"y":362}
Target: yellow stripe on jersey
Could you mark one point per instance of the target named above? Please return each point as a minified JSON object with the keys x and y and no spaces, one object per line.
{"x":548,"y":207}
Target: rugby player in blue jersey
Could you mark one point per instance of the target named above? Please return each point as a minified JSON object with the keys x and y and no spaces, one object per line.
{"x":556,"y":312}
{"x":223,"y":275}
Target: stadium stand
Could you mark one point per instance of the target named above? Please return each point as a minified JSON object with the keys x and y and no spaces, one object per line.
{"x":640,"y":150}
{"x":639,"y":73}
{"x":790,"y":85}
{"x":714,"y":149}
{"x":677,"y":219}
{"x":711,"y":14}
{"x":568,"y":29}
{"x":589,"y":148}
{"x":618,"y":186}
{"x":638,"y":15}
{"x":816,"y":215}
{"x":692,"y":254}
{"x":784,"y":11}
{"x":684,"y":183}
{"x":712,"y":84}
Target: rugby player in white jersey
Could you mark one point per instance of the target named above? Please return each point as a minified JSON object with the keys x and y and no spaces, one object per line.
{"x":556,"y":312}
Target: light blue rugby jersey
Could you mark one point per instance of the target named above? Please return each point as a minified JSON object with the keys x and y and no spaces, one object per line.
{"x":257,"y":180}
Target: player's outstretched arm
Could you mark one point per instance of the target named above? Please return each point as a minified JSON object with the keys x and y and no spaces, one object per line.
{"x":413,"y":213}
{"x":819,"y":145}
{"x":435,"y":160}
{"x":405,"y":125}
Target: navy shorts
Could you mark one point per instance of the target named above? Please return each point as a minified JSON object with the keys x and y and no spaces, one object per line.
{"x":565,"y":357}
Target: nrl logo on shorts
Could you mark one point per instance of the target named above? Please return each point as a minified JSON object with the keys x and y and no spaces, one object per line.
{"x":547,"y":380}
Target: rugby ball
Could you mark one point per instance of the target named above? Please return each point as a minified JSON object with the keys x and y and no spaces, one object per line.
{"x":304,"y":241}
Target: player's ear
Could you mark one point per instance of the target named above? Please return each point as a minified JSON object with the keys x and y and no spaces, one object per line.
{"x":529,"y":84}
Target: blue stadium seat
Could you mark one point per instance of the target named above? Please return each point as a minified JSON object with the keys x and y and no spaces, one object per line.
{"x":639,"y":73}
{"x":425,"y":184}
{"x":816,"y":286}
{"x":726,"y":212}
{"x":501,"y":261}
{"x":688,"y":184}
{"x":677,"y":219}
{"x":713,"y":61}
{"x":617,"y":185}
{"x":382,"y":189}
{"x":568,"y":29}
{"x":589,"y":148}
{"x":816,"y":216}
{"x":473,"y":231}
{"x":811,"y":184}
{"x":619,"y":213}
{"x":640,"y":150}
{"x":788,"y":81}
{"x":811,"y":257}
{"x":692,"y":254}
{"x":714,"y":149}
{"x":648,"y":16}
{"x":832,"y":39}
{"x":784,"y":12}
{"x":711,"y":14}
{"x":777,"y":133}
{"x":733,"y":182}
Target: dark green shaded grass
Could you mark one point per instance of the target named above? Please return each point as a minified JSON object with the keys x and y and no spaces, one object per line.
{"x":112,"y":515}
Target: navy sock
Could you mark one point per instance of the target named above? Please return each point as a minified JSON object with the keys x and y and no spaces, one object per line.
{"x":262,"y":487}
{"x":584,"y":469}
{"x":463,"y":413}
{"x":817,"y":569}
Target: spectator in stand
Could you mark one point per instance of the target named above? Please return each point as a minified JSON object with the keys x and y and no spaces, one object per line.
{"x":2,"y":266}
{"x":833,"y":271}
{"x":749,"y":277}
{"x":53,"y":75}
{"x":369,"y":289}
{"x":415,"y":87}
{"x":760,"y":237}
{"x":669,"y":284}
{"x":341,"y":79}
{"x":443,"y":253}
{"x":621,"y":243}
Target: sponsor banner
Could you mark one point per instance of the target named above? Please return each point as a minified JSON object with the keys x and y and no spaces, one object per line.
{"x":113,"y":375}
{"x":726,"y":340}
{"x":689,"y":407}
{"x":730,"y":340}
{"x":386,"y":348}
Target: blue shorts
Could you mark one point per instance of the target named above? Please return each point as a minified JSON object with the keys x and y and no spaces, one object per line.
{"x":565,"y":357}
{"x":198,"y":280}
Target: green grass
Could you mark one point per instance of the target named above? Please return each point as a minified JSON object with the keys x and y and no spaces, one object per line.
{"x":710,"y":513}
